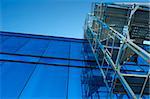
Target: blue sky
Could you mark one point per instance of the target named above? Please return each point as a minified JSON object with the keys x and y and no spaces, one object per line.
{"x":47,"y":17}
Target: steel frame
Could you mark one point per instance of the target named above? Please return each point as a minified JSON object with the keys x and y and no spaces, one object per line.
{"x":126,"y":42}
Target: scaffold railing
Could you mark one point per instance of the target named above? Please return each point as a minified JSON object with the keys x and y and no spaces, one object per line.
{"x":110,"y":54}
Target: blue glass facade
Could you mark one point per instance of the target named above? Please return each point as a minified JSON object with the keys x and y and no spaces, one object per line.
{"x":47,"y":67}
{"x":36,"y":66}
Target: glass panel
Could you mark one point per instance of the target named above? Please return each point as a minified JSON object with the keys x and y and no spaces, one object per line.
{"x":54,"y":61}
{"x":13,"y":44}
{"x":74,"y":88}
{"x":47,"y":82}
{"x":3,"y":38}
{"x":58,"y":49}
{"x":35,"y":59}
{"x":88,"y":54}
{"x":19,"y":58}
{"x":76,"y":51}
{"x":76,"y":63}
{"x":34,"y":47}
{"x":14,"y":77}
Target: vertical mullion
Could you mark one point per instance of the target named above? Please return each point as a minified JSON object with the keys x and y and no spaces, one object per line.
{"x":68,"y":70}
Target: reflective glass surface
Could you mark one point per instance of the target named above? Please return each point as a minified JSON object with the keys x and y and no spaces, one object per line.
{"x":41,"y":67}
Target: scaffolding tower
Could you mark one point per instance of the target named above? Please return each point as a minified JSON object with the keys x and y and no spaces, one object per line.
{"x":116,"y":33}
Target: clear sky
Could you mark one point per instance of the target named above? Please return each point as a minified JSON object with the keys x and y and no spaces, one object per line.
{"x":47,"y":17}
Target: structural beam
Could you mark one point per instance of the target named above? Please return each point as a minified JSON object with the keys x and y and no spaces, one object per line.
{"x":126,"y":42}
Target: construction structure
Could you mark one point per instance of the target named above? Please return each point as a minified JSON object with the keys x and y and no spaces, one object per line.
{"x":116,"y":34}
{"x":111,"y":62}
